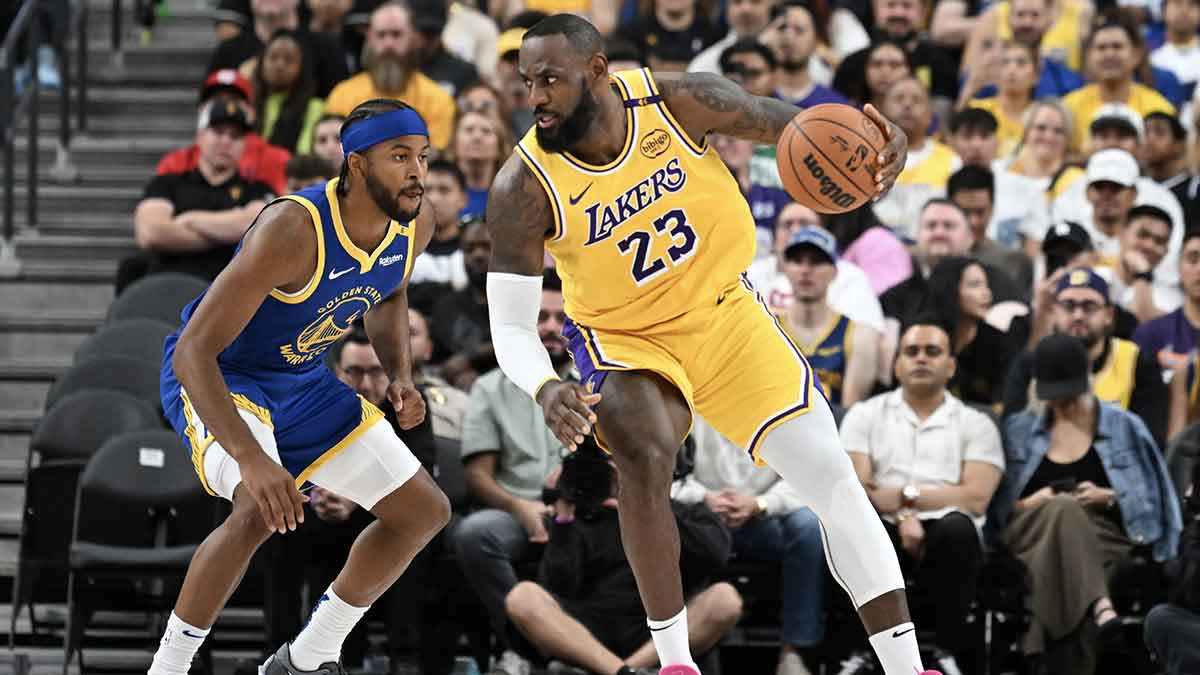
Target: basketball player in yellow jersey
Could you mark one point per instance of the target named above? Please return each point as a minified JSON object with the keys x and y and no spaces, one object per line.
{"x":651,"y":235}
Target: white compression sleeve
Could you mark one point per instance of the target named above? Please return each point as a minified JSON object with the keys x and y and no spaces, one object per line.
{"x":514,"y":301}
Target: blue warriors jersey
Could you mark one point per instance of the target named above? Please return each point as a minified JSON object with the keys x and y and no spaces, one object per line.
{"x":274,"y":368}
{"x":829,"y":356}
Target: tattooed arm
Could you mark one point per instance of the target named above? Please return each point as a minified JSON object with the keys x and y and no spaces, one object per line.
{"x":519,"y":218}
{"x":704,"y":102}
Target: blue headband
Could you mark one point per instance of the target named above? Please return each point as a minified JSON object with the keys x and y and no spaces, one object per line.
{"x":383,"y":127}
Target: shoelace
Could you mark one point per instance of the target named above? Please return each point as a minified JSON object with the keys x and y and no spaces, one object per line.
{"x":949,"y":665}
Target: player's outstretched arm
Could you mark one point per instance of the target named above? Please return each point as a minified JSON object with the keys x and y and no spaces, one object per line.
{"x":227,"y":307}
{"x":705,"y":102}
{"x":387,"y":327}
{"x":519,"y":218}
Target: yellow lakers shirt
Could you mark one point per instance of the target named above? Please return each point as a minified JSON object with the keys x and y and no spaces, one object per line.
{"x":657,"y":232}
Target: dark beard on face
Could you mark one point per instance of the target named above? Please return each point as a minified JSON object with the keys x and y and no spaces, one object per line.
{"x":793,"y":66}
{"x":387,"y":202}
{"x":570,"y":129}
{"x":1091,"y":339}
{"x":560,"y":358}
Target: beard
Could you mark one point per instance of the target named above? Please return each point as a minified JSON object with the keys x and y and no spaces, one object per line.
{"x":389,"y":72}
{"x":388,"y":203}
{"x":570,"y":129}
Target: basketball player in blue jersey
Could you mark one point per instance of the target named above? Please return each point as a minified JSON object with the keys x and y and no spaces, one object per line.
{"x":651,"y":235}
{"x":244,"y":385}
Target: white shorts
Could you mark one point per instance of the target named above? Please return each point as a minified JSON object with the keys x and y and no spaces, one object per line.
{"x":369,"y":468}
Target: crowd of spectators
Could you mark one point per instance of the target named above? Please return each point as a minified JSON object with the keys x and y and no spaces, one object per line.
{"x":1009,"y":338}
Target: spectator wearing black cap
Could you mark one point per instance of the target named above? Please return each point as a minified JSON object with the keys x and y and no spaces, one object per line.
{"x":973,"y":188}
{"x":192,"y":222}
{"x":242,"y":51}
{"x":1122,"y":374}
{"x":670,"y":35}
{"x":1164,"y":157}
{"x":842,"y":352}
{"x":1172,"y":337}
{"x":429,"y":19}
{"x":260,"y":161}
{"x":1084,"y":484}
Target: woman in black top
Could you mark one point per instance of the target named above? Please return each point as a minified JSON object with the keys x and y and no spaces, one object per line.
{"x":959,"y":293}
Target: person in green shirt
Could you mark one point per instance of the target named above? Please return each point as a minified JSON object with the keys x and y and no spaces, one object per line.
{"x":284,"y":85}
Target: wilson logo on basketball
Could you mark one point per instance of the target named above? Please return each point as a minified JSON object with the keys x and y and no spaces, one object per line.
{"x":829,"y":189}
{"x":655,"y":143}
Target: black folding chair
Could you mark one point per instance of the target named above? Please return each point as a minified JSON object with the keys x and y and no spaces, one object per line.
{"x":136,"y":377}
{"x":73,"y":429}
{"x":134,"y":338}
{"x":139,"y":516}
{"x":158,"y":296}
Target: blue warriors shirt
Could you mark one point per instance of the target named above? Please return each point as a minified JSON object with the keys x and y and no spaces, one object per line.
{"x":829,"y":355}
{"x":284,"y":340}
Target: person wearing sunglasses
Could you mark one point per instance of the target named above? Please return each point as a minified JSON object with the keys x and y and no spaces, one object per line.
{"x":1123,"y":374}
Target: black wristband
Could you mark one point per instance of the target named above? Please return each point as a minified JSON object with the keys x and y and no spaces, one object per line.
{"x":1148,"y":277}
{"x":625,"y":670}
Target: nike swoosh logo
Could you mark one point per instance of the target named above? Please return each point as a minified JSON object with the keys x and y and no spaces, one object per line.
{"x":575,"y":200}
{"x":898,"y":633}
{"x":333,"y":274}
{"x":192,"y":635}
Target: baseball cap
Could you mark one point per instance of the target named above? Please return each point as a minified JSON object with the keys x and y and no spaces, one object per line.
{"x":224,"y":112}
{"x":1118,"y":115}
{"x":429,"y":16}
{"x":1113,"y":166}
{"x":815,"y":237}
{"x":1067,"y":235}
{"x":1060,"y":366}
{"x":1083,"y":277}
{"x":510,"y":41}
{"x":226,"y":78}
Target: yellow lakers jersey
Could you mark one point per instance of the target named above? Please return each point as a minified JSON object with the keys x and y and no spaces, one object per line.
{"x":932,"y":165}
{"x":1114,"y":383}
{"x":660,"y":230}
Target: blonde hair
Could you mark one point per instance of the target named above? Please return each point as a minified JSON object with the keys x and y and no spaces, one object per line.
{"x":1027,"y":121}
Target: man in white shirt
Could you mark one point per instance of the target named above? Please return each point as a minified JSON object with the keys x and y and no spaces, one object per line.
{"x":746,"y":19}
{"x":849,"y":293}
{"x":930,"y":465}
{"x":1180,"y":54}
{"x":769,"y":524}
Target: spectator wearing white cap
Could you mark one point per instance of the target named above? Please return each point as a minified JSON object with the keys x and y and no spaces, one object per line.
{"x":1074,"y":203}
{"x":842,"y":352}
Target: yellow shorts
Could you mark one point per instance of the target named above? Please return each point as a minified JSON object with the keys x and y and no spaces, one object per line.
{"x":732,"y":361}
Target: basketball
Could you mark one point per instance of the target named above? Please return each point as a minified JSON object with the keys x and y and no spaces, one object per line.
{"x":826,"y":157}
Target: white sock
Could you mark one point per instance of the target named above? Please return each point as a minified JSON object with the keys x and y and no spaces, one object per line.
{"x":897,"y":650}
{"x":671,"y":640}
{"x":177,"y":647}
{"x":320,"y":641}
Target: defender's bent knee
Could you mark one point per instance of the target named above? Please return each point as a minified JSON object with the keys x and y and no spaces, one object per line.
{"x":245,"y":523}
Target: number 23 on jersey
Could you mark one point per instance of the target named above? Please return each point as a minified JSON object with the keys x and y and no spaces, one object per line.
{"x":674,"y":224}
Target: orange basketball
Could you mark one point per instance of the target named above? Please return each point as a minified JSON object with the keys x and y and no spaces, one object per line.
{"x":826,"y":157}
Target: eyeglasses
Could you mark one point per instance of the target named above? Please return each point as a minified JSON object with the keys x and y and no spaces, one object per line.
{"x":357,"y":373}
{"x":1049,"y":129}
{"x":913,"y":351}
{"x":1088,"y":306}
{"x":466,"y":106}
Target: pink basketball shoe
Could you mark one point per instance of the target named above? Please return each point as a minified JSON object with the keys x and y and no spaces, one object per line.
{"x":678,"y":670}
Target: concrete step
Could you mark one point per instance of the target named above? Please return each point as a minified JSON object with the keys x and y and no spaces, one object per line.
{"x":181,"y":124}
{"x":13,"y":450}
{"x":38,"y":344}
{"x":138,"y":102}
{"x":33,"y":246}
{"x":45,"y":369}
{"x":22,"y":394}
{"x":31,"y":301}
{"x":19,"y":421}
{"x":64,"y":199}
{"x":79,"y":271}
{"x":86,"y":224}
{"x":12,"y":500}
{"x":103,"y":151}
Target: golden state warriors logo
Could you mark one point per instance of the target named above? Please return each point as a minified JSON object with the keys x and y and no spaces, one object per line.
{"x":334,"y":319}
{"x":655,"y":143}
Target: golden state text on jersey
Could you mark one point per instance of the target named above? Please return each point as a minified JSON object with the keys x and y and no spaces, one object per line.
{"x":658,"y":231}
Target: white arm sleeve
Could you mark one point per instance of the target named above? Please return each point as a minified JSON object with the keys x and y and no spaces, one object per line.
{"x":514,"y":301}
